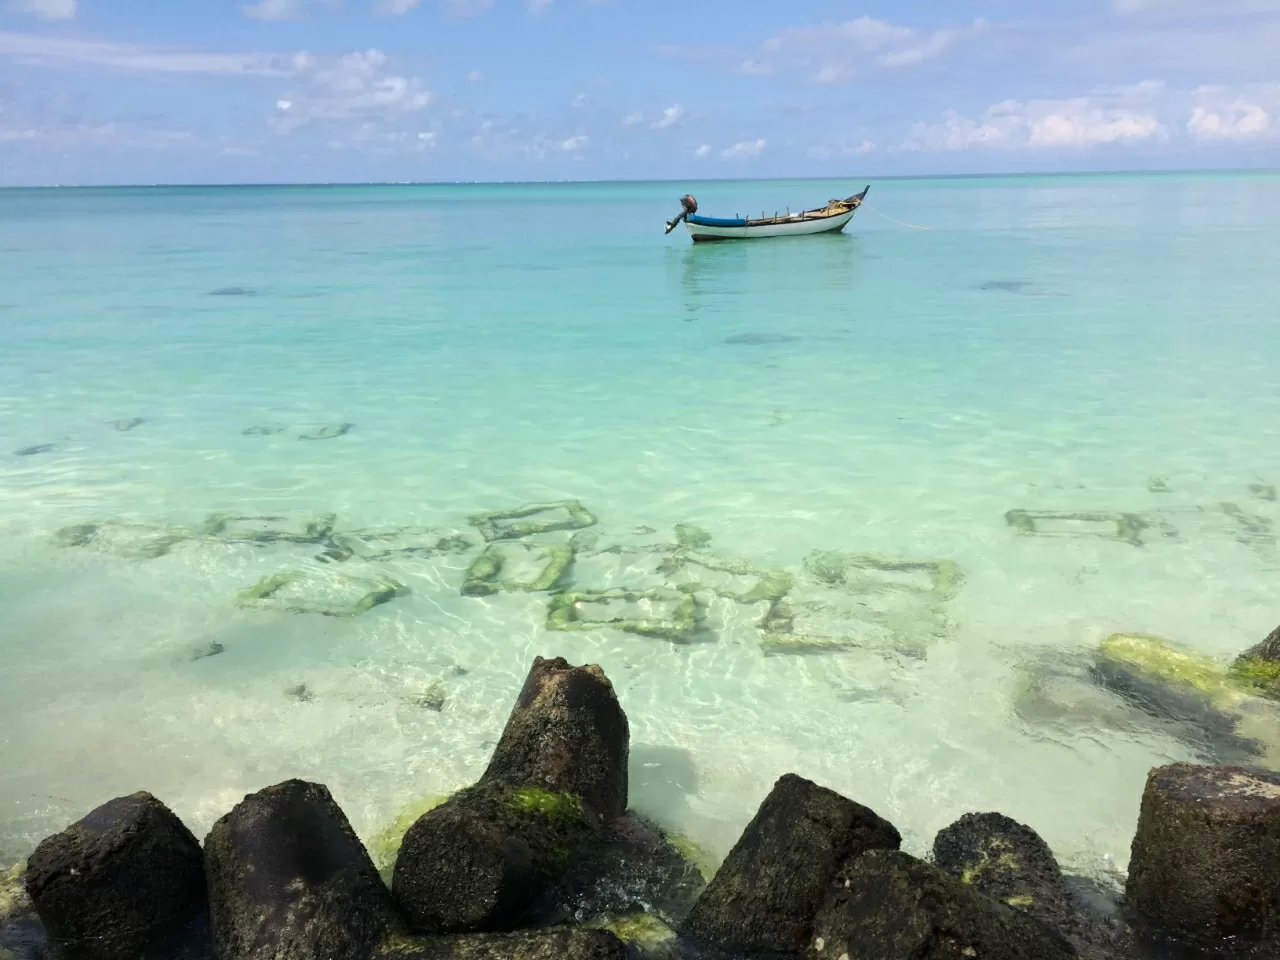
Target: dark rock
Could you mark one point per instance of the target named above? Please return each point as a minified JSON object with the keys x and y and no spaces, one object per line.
{"x":125,"y":882}
{"x":32,"y":451}
{"x":1205,"y":862}
{"x":1010,"y":862}
{"x":632,"y":869}
{"x":566,"y":733}
{"x":289,"y":878}
{"x":481,"y":861}
{"x":769,"y":889}
{"x":886,"y":905}
{"x":558,"y":944}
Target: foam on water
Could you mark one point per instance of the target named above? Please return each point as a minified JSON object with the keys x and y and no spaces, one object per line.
{"x":1053,"y":344}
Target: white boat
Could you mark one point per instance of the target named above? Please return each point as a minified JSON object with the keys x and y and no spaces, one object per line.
{"x":829,"y":219}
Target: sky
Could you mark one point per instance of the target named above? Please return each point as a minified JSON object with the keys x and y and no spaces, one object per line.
{"x":220,"y":91}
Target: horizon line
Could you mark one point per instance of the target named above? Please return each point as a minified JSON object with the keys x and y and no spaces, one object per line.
{"x":266,"y":184}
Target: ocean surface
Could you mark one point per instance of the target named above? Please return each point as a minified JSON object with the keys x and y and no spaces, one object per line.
{"x":407,"y":357}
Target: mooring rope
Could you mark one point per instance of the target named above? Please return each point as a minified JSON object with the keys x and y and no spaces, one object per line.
{"x":911,"y":226}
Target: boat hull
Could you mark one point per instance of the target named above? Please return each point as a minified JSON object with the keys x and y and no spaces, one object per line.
{"x":787,"y":228}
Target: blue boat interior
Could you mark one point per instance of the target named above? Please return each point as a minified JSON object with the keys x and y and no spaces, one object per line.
{"x":716,"y":222}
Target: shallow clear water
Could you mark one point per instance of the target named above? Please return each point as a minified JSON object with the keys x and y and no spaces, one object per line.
{"x":1049,"y":344}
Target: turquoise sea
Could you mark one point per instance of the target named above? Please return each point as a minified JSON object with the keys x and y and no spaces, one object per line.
{"x":1092,"y":344}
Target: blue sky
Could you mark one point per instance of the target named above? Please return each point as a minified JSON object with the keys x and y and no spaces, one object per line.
{"x":201,"y":91}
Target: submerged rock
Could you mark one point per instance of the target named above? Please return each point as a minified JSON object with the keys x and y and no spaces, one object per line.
{"x":561,"y":944}
{"x":1263,"y":491}
{"x":769,"y":889}
{"x":269,"y":430}
{"x":328,"y":432}
{"x":1205,"y":863}
{"x":124,"y":426}
{"x":233,"y":292}
{"x":692,"y":537}
{"x":32,"y":451}
{"x":125,"y":882}
{"x":289,"y":878}
{"x":665,"y":614}
{"x":499,"y":568}
{"x":1006,"y":286}
{"x":334,"y":596}
{"x":886,"y":905}
{"x":532,"y":519}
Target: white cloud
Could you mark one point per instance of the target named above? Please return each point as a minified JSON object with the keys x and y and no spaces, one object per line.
{"x":1219,"y":113}
{"x":574,"y":144}
{"x":36,"y":50}
{"x":579,"y":101}
{"x":475,"y":76}
{"x":755,"y":68}
{"x":394,"y":7}
{"x":670,"y":116}
{"x":840,"y":52}
{"x":703,"y":151}
{"x":631,"y":119}
{"x":1078,"y":123}
{"x":1198,"y":6}
{"x":745,"y":149}
{"x":354,"y":87}
{"x":539,"y":6}
{"x":45,"y":9}
{"x":829,"y":151}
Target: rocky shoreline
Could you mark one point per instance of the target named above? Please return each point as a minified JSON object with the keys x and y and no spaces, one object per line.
{"x":541,"y":858}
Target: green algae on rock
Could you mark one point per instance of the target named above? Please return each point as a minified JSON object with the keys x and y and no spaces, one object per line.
{"x":694,"y":852}
{"x":732,"y":579}
{"x":294,"y":591}
{"x":384,"y":846}
{"x":1123,"y":527}
{"x":14,"y":902}
{"x":268,"y":529}
{"x":1258,"y":668}
{"x":868,"y":573}
{"x":137,"y":540}
{"x":518,"y":566}
{"x":394,"y":544}
{"x":692,"y":537}
{"x":645,"y":935}
{"x":563,"y":943}
{"x":664,"y":614}
{"x":532,"y":519}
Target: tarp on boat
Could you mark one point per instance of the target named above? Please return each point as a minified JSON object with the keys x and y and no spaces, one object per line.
{"x":716,"y":222}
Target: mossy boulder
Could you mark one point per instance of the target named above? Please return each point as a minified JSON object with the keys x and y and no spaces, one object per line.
{"x":766,"y":894}
{"x":1205,"y":863}
{"x":646,"y":936}
{"x":482,"y":861}
{"x":631,"y":866}
{"x":1258,"y":668}
{"x":727,"y":577}
{"x":288,"y":877}
{"x":136,"y":540}
{"x":886,"y":905}
{"x":567,"y":733}
{"x":385,"y":844}
{"x":692,"y":537}
{"x":126,"y":882}
{"x":555,"y":944}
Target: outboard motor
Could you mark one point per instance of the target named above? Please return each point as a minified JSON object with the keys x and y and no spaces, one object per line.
{"x":690,"y":207}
